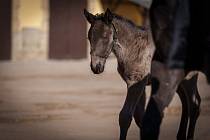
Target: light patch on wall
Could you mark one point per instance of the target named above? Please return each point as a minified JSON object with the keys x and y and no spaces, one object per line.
{"x":31,"y":13}
{"x":94,"y":6}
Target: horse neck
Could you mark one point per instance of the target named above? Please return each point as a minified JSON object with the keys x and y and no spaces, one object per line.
{"x":125,"y":33}
{"x":128,"y":45}
{"x":124,"y":36}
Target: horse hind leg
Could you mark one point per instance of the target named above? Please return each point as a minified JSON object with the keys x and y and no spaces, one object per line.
{"x":195,"y":102}
{"x":184,"y":97}
{"x":190,"y":98}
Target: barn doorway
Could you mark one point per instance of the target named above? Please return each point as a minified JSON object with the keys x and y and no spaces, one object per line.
{"x":5,"y":29}
{"x":67,"y":29}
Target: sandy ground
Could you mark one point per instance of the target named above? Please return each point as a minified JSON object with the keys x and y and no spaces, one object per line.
{"x":64,"y":101}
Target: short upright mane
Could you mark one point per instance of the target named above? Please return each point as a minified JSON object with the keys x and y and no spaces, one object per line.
{"x":101,"y":17}
{"x":128,"y":21}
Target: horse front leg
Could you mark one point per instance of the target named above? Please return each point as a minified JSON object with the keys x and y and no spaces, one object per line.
{"x":164,"y":85}
{"x":133,"y":96}
{"x":140,"y":109}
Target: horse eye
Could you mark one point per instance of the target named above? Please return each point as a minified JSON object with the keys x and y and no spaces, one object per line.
{"x":104,"y":35}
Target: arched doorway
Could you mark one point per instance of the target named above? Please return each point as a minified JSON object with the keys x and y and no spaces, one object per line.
{"x":67,"y":29}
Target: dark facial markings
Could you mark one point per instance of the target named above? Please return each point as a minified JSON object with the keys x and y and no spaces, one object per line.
{"x":99,"y":31}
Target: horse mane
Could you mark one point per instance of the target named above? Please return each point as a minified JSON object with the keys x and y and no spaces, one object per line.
{"x":131,"y":23}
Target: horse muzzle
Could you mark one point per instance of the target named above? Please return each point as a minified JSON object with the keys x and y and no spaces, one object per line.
{"x":97,"y":69}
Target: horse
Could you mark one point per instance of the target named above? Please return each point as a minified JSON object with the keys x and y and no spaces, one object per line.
{"x":133,"y":48}
{"x":165,"y":81}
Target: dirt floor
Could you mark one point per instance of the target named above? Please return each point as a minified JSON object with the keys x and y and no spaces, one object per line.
{"x":64,"y":101}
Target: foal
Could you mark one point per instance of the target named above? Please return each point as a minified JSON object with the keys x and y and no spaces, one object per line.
{"x":131,"y":46}
{"x":133,"y":50}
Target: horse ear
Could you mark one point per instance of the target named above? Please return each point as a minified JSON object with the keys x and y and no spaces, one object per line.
{"x":108,"y":16}
{"x":90,"y":17}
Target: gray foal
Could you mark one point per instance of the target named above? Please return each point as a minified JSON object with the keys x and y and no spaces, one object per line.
{"x":133,"y":50}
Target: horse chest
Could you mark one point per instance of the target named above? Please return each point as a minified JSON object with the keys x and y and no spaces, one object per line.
{"x":121,"y":71}
{"x":130,"y":73}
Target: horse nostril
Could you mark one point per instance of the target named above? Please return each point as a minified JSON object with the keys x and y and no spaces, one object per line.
{"x":98,"y":67}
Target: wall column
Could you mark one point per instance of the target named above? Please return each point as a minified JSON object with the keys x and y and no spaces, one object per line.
{"x":30,"y":30}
